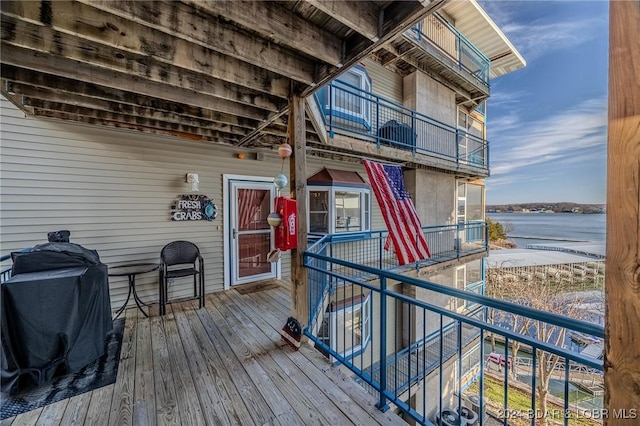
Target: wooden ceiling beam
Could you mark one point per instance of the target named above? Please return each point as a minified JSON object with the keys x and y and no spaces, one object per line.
{"x":363,"y":17}
{"x":143,"y":125}
{"x":172,"y":26}
{"x":278,"y":24}
{"x":29,"y":81}
{"x":107,"y":111}
{"x":194,"y":68}
{"x":57,"y":65}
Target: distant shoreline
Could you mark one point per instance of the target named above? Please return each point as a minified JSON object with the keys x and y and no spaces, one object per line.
{"x":564,"y":207}
{"x":547,"y":238}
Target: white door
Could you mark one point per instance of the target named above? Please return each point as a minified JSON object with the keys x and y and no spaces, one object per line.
{"x":251,"y":235}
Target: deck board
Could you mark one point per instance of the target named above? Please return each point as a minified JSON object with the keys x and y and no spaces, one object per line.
{"x":76,"y":410}
{"x":225,"y":364}
{"x":306,"y":383}
{"x":188,"y":404}
{"x":122,"y":401}
{"x":144,"y":406}
{"x":279,"y":373}
{"x":165,"y":393}
{"x":99,"y":406}
{"x":247,"y":391}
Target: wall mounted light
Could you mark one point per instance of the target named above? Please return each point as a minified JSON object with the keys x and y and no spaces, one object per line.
{"x":193,"y":179}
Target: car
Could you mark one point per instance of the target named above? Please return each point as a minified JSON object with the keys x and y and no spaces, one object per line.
{"x":498,"y":359}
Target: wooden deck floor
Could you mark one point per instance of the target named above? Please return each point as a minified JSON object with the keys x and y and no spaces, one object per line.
{"x":224,"y":364}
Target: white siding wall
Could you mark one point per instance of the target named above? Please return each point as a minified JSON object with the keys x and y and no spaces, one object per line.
{"x":113,"y":190}
{"x":384,"y":82}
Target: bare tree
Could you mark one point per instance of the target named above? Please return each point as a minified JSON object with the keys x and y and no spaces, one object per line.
{"x":544,"y":292}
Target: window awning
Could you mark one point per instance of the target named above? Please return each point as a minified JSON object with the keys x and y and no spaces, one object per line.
{"x":333,"y":177}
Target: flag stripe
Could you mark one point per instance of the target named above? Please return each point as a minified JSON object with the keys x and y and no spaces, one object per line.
{"x":398,"y":212}
{"x":390,"y":212}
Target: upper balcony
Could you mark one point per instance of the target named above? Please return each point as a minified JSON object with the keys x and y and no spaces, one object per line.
{"x":360,"y":114}
{"x":445,"y":49}
{"x":437,"y":47}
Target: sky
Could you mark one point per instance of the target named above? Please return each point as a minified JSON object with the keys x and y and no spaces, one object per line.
{"x":546,"y":123}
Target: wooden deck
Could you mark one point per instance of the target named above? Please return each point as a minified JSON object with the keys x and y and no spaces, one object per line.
{"x":224,"y":364}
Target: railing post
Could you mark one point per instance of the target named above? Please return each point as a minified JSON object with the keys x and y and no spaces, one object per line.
{"x":486,"y":153}
{"x":382,"y":402}
{"x":457,"y":142}
{"x":481,"y":396}
{"x":486,"y":236}
{"x":414,"y":132}
{"x":459,"y":42}
{"x":459,"y":238}
{"x":377,"y":104}
{"x":330,"y":95}
{"x":380,"y":251}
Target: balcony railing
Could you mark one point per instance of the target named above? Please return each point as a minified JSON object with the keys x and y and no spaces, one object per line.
{"x":353,"y":111}
{"x":445,"y":242}
{"x":436,"y":33}
{"x":397,"y":335}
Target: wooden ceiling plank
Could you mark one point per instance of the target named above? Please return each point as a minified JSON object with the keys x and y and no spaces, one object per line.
{"x":47,"y":63}
{"x":278,"y":24}
{"x":141,"y":124}
{"x":193,"y":68}
{"x":24,"y":79}
{"x":106,"y":110}
{"x":176,"y":20}
{"x":361,"y":16}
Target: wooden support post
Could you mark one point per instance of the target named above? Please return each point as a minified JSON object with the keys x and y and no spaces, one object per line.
{"x":298,"y":175}
{"x":622,"y":287}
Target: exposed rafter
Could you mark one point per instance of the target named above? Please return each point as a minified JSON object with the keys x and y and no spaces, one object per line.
{"x":362,"y":17}
{"x":175,"y":25}
{"x":220,"y":71}
{"x":43,"y":85}
{"x":278,"y":24}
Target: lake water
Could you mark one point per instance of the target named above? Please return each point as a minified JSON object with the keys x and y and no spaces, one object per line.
{"x":539,"y":228}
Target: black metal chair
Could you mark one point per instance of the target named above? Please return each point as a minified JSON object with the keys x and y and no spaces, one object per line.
{"x":181,"y":259}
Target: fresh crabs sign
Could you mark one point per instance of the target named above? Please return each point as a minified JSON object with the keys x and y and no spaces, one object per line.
{"x":193,"y":207}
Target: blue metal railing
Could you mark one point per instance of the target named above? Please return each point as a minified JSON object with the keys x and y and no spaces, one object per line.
{"x":445,"y":242}
{"x":411,"y":348}
{"x":388,"y":123}
{"x":436,"y":34}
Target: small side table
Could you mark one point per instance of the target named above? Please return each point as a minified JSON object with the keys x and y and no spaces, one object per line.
{"x":130,"y":270}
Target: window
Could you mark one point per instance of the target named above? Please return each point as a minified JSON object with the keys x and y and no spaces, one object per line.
{"x":470,"y":138}
{"x":470,"y":210}
{"x":470,"y":202}
{"x":346,"y":326}
{"x":339,"y":209}
{"x":347,"y":99}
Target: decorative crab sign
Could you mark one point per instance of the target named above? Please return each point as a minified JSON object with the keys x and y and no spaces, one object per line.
{"x":193,"y":207}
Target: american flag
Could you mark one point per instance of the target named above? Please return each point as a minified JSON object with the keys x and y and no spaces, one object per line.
{"x":403,"y":223}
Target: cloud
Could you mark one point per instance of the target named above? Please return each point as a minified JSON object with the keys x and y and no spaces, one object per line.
{"x":538,"y":37}
{"x":559,"y":140}
{"x":507,"y":99}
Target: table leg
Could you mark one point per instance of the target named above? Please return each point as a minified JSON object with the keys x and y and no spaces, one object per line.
{"x":126,"y":302}
{"x":132,"y":285}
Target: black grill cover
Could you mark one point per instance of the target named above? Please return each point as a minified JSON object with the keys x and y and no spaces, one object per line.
{"x":49,"y":256}
{"x":53,"y":321}
{"x":392,"y":131}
